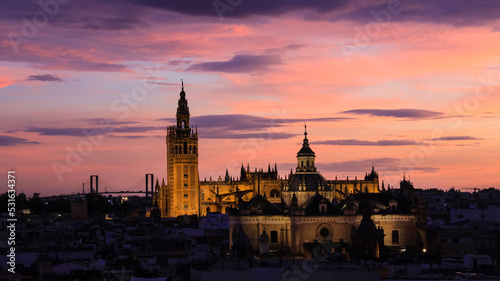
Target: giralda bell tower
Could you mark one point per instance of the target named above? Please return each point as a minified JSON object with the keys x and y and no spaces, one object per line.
{"x":183,"y":186}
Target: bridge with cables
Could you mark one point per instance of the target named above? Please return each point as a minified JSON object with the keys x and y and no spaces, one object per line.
{"x":96,"y":185}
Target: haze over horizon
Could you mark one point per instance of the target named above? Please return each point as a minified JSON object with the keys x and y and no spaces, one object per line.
{"x":88,"y":88}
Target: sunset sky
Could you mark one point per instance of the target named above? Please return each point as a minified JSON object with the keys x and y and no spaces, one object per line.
{"x":88,"y":87}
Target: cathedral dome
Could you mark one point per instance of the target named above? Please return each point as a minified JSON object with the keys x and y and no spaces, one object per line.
{"x":305,"y":151}
{"x":307,"y":182}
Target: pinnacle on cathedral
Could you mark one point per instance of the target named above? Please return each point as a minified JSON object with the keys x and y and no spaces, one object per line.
{"x":305,"y":150}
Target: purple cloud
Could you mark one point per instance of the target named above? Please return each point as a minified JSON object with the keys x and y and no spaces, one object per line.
{"x":74,"y":132}
{"x":112,"y":23}
{"x":243,"y":126}
{"x":45,"y":78}
{"x":247,"y":122}
{"x":398,"y":113}
{"x":239,"y":63}
{"x":456,"y":138}
{"x":386,"y":164}
{"x":224,"y":134}
{"x":12,"y":141}
{"x":453,"y":12}
{"x":231,"y":126}
{"x":83,"y":132}
{"x":369,"y":143}
{"x":243,"y":9}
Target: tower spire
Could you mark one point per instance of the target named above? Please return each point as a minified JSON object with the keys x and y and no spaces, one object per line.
{"x":305,"y":130}
{"x":183,"y":111}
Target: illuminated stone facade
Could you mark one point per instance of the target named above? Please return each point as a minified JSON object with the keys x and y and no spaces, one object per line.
{"x":296,"y":212}
{"x":180,"y":196}
{"x":295,"y":229}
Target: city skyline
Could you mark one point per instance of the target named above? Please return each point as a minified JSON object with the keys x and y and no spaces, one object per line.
{"x":377,"y":84}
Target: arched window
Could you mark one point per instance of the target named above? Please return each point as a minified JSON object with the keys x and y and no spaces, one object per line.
{"x":395,"y":236}
{"x":185,"y":148}
{"x":183,"y":124}
{"x":322,"y":207}
{"x":274,"y":193}
{"x":208,"y":210}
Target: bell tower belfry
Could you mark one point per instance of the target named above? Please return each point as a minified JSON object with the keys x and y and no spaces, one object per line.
{"x":183,"y":186}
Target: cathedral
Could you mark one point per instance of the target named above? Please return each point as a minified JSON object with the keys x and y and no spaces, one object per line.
{"x":293,"y":214}
{"x":185,"y":194}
